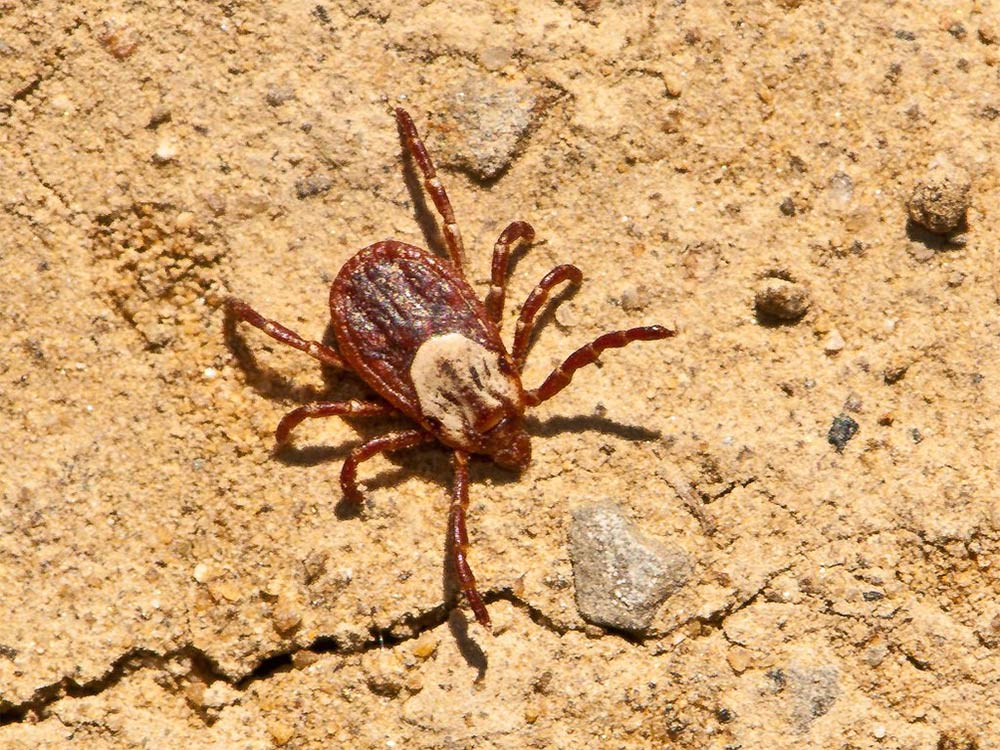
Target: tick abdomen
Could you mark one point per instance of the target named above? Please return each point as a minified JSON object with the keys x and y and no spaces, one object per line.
{"x":388,"y":301}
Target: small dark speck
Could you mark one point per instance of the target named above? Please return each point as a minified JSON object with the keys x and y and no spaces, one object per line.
{"x":894,"y":374}
{"x":43,"y":265}
{"x":977,"y":378}
{"x":158,"y":116}
{"x":957,"y":30}
{"x":915,"y":434}
{"x":777,"y":676}
{"x":724,"y":715}
{"x":788,"y":207}
{"x":321,"y":13}
{"x":908,"y":36}
{"x":841,"y":431}
{"x":872,"y":596}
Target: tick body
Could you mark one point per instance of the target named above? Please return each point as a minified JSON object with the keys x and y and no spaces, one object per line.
{"x":408,"y":323}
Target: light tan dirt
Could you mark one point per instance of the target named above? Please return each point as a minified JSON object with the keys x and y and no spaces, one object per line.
{"x":170,"y":582}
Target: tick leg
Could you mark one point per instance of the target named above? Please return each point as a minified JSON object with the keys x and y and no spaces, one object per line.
{"x":329,"y":409}
{"x":586,"y":355}
{"x":516,"y":233}
{"x":322,"y":352}
{"x":458,"y":538}
{"x":411,"y":139}
{"x":392,"y":442}
{"x":537,"y":298}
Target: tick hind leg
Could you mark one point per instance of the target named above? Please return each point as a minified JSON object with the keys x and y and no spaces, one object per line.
{"x":587,"y":355}
{"x":275,"y":330}
{"x":433,"y":186}
{"x":329,"y":409}
{"x":392,"y":442}
{"x":458,"y":539}
{"x":513,"y":235}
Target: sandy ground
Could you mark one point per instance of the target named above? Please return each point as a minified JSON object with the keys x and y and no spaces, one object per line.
{"x":169,"y":581}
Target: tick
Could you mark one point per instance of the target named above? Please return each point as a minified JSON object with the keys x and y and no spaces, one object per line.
{"x":408,"y":323}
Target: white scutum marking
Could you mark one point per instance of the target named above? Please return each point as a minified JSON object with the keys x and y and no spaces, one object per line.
{"x":445,"y":371}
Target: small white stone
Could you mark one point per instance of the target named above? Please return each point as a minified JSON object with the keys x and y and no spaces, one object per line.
{"x":209,"y":373}
{"x":879,"y":731}
{"x":62,"y":104}
{"x":200,"y":572}
{"x":165,"y":152}
{"x":834,"y":342}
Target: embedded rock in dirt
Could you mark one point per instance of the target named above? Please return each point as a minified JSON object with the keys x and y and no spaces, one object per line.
{"x":622,"y":576}
{"x":490,"y":123}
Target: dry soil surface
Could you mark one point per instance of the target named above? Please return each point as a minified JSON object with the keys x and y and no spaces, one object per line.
{"x":744,"y":172}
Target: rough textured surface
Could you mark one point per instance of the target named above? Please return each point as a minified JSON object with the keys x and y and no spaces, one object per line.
{"x":781,"y":301}
{"x":621,"y":577}
{"x":168,"y":581}
{"x":940,"y":200}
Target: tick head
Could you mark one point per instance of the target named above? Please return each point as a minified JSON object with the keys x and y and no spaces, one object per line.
{"x":509,"y":444}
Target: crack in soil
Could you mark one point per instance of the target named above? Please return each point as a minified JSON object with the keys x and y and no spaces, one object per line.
{"x":204,"y":668}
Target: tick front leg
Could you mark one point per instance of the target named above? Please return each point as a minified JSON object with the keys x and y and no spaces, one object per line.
{"x":537,"y":298}
{"x":432,"y":183}
{"x":329,"y":409}
{"x":513,"y":235}
{"x":387,"y":443}
{"x":458,"y":538}
{"x":587,"y":355}
{"x":275,"y":330}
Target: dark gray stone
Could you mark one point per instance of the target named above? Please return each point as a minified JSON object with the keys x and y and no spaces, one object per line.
{"x":811,"y":692}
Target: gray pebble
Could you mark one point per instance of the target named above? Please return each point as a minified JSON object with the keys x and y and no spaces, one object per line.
{"x":621,"y":575}
{"x":492,"y":121}
{"x":811,"y":693}
{"x":314,"y":184}
{"x":278,"y":95}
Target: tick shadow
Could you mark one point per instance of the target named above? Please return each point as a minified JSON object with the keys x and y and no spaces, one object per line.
{"x":936,"y":242}
{"x":471,"y":651}
{"x":424,"y":462}
{"x":591,"y":423}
